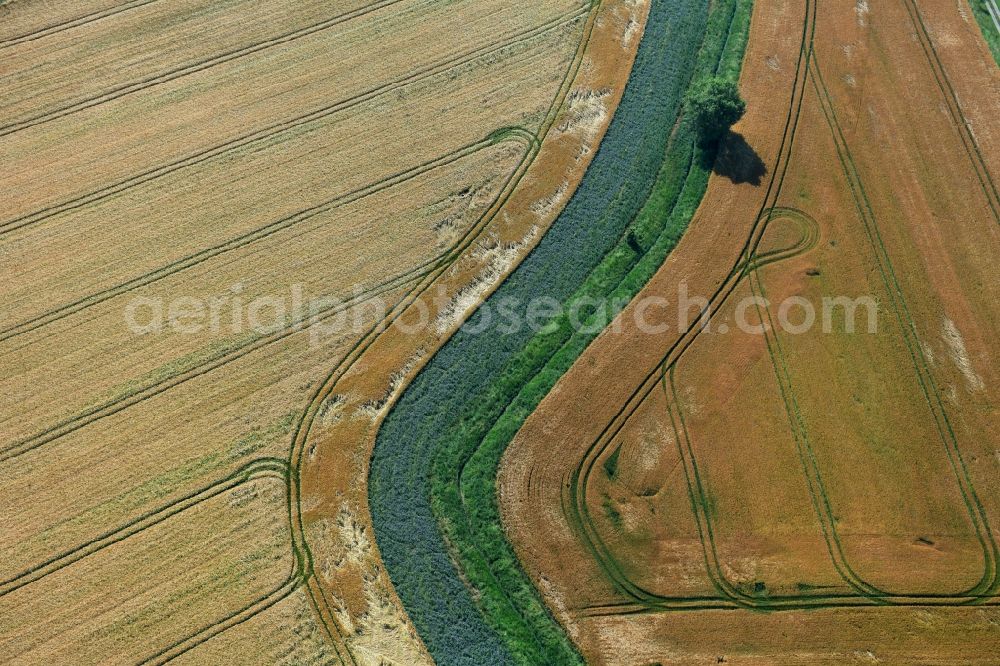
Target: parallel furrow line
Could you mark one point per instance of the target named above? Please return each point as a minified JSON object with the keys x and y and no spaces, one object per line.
{"x":259,"y":136}
{"x":190,"y":68}
{"x":73,"y":23}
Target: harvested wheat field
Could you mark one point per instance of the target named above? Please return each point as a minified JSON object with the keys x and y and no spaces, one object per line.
{"x":211,"y":214}
{"x":677,"y":483}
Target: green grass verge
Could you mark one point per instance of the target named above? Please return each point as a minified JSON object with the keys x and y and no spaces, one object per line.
{"x":989,"y":28}
{"x":463,"y":482}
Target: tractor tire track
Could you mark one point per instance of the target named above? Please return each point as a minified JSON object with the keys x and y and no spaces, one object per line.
{"x":258,"y":234}
{"x":262,"y":468}
{"x":977,"y":513}
{"x":301,"y":552}
{"x":969,"y":143}
{"x":697,"y":493}
{"x":699,"y":505}
{"x":326,"y":388}
{"x":175,"y":650}
{"x":977,"y":593}
{"x":457,"y":481}
{"x":304,"y":425}
{"x":138,"y":396}
{"x":300,"y":548}
{"x":575,"y":505}
{"x":983,"y":592}
{"x":73,"y":23}
{"x":114,"y":406}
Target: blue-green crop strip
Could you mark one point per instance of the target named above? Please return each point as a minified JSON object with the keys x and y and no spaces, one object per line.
{"x":431,"y":486}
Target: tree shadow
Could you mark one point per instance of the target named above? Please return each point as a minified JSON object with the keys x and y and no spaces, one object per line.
{"x":735,"y":159}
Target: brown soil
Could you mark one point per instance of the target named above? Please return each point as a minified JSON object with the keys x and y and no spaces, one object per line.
{"x":813,"y":469}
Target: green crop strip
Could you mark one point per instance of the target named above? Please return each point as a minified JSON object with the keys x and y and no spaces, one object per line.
{"x":989,"y":25}
{"x":463,"y":485}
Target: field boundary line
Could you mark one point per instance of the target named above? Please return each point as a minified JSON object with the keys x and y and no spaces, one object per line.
{"x":303,"y":427}
{"x":748,"y":267}
{"x":305,"y":422}
{"x":575,"y":505}
{"x":459,"y":474}
{"x":300,"y":551}
{"x":299,"y":575}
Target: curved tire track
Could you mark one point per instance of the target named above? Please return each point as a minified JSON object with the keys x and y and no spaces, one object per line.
{"x":577,"y":509}
{"x":264,"y":467}
{"x":256,"y":235}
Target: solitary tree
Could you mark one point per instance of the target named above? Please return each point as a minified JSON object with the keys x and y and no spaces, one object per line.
{"x":716,"y":105}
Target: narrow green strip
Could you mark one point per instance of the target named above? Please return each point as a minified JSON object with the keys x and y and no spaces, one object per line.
{"x":464,"y":469}
{"x":991,"y":31}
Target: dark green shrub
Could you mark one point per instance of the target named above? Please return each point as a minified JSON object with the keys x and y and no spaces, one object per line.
{"x":715,"y":105}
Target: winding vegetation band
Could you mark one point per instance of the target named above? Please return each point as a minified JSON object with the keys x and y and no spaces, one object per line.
{"x":432,"y":485}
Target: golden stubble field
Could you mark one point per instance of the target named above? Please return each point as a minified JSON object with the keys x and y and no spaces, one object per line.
{"x":179,"y":483}
{"x":845,"y":484}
